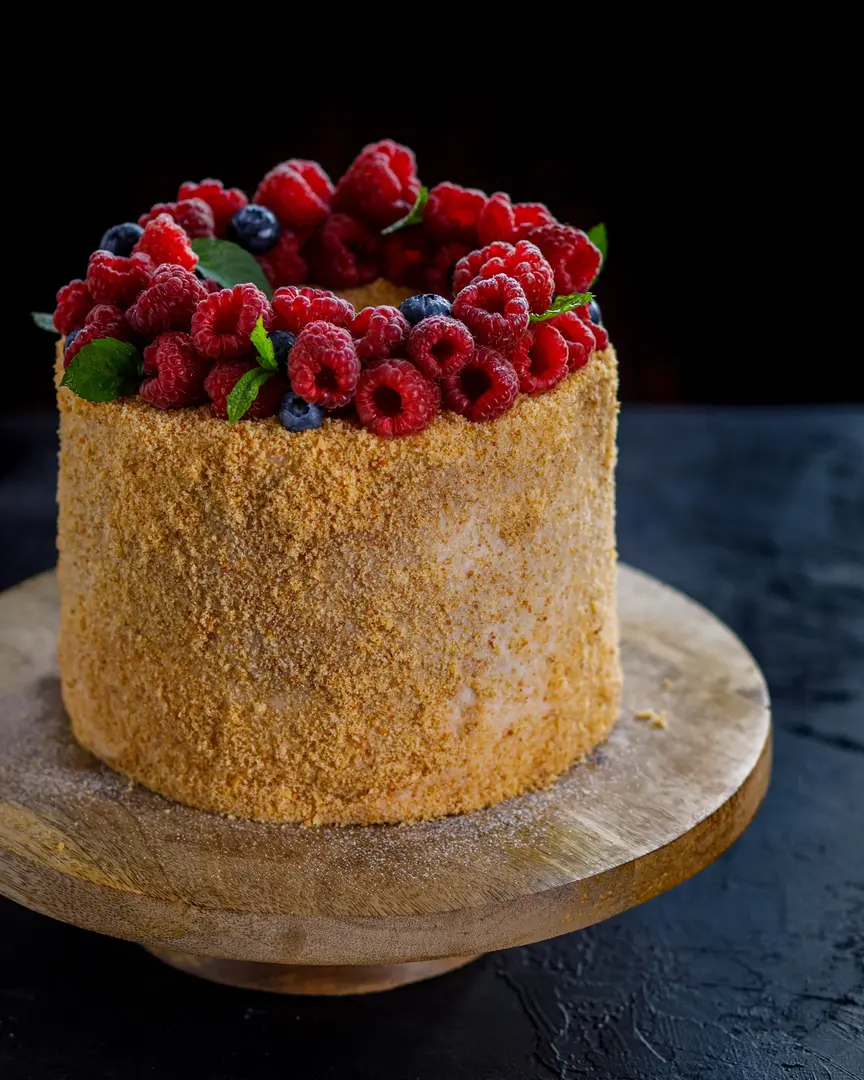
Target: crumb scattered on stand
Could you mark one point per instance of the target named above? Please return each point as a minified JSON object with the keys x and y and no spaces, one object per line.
{"x":667,"y":683}
{"x":658,"y":719}
{"x":61,"y":846}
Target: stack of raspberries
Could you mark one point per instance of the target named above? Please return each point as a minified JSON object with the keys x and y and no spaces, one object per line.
{"x":481,"y":267}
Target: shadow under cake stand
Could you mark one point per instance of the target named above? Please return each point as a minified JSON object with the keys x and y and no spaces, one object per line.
{"x":349,"y":910}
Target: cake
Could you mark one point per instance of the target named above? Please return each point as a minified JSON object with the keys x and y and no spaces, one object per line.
{"x":342,"y":554}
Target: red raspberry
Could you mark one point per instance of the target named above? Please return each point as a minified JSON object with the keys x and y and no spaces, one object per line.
{"x":343,"y":253}
{"x":323,"y":365}
{"x":114,"y":279}
{"x":379,"y":332}
{"x":298,"y":192}
{"x":438,"y":345}
{"x":110,"y":321}
{"x":165,"y":242}
{"x":73,"y":304}
{"x":223,"y":378}
{"x":451,"y":213}
{"x":578,"y":335}
{"x":283,"y":264}
{"x":194,"y":216}
{"x":82,"y":338}
{"x":494,"y":310}
{"x":224,"y":321}
{"x":601,"y":334}
{"x":573,"y":258}
{"x":405,"y":257}
{"x":210,"y":284}
{"x":438,"y":275}
{"x":394,"y":398}
{"x":293,"y":308}
{"x":502,"y":220}
{"x":541,"y":359}
{"x":224,"y":202}
{"x":176,"y":371}
{"x":483,"y":388}
{"x":380,"y":186}
{"x":524,"y":262}
{"x":168,"y":303}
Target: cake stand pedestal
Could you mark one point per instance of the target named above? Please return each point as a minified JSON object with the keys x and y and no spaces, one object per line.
{"x":351,"y":910}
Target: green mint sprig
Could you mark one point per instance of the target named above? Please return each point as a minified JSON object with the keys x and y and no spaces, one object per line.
{"x":103,"y":370}
{"x":264,"y":346}
{"x":245,"y":390}
{"x":414,"y":215}
{"x":229,"y":264}
{"x":560,"y":304}
{"x":599,"y":238}
{"x":45,"y":321}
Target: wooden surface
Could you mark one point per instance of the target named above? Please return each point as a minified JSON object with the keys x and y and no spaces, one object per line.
{"x":653,"y":807}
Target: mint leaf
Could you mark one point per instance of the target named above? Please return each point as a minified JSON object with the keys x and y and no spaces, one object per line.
{"x":229,"y":264}
{"x":44,"y":321}
{"x":245,"y":391}
{"x":599,"y":239}
{"x":414,"y":215}
{"x":103,"y":370}
{"x":261,"y":341}
{"x":560,"y":304}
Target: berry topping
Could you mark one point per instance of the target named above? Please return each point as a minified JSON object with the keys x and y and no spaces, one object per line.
{"x":494,"y":310}
{"x":482,"y":389}
{"x":73,"y":303}
{"x":70,"y":337}
{"x":343,"y":252}
{"x":298,"y":192}
{"x":405,"y":257}
{"x":223,"y":321}
{"x":577,"y":334}
{"x":121,"y":239}
{"x":451,"y":213}
{"x":524,"y":262}
{"x":379,"y":332}
{"x":439,"y":344}
{"x":573,"y":258}
{"x":108,"y":320}
{"x":394,"y":398}
{"x":540,"y":359}
{"x":594,"y":313}
{"x":168,"y":302}
{"x":223,"y":378}
{"x":194,"y":216}
{"x":76,"y":340}
{"x":283,"y":343}
{"x":502,"y":220}
{"x":323,"y":365}
{"x":424,"y":306}
{"x":296,"y":414}
{"x":254,"y":228}
{"x":165,"y":242}
{"x":293,"y":308}
{"x":115,"y":279}
{"x":224,"y":202}
{"x":380,"y":186}
{"x":590,"y":313}
{"x":176,"y":372}
{"x":283,"y":264}
{"x":210,"y":284}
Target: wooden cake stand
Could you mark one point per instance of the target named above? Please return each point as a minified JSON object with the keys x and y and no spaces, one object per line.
{"x":348,"y":910}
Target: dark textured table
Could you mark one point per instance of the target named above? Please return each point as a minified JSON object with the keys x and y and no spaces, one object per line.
{"x":753,"y":970}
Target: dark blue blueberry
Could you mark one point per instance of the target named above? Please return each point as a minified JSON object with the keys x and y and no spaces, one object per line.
{"x":120,"y":239}
{"x":70,"y":337}
{"x":423,"y":306}
{"x":295,"y":414}
{"x":594,"y":313}
{"x":255,"y":228}
{"x":283,"y":343}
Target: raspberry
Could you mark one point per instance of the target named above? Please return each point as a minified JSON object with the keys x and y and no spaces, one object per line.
{"x":224,"y":202}
{"x":194,"y":216}
{"x":114,"y":279}
{"x":74,"y":344}
{"x":293,"y":308}
{"x":438,"y":345}
{"x":283,"y":264}
{"x":223,"y":378}
{"x":483,"y":388}
{"x":438,"y":275}
{"x":379,"y":332}
{"x":494,"y":310}
{"x":573,"y":258}
{"x":451,"y":213}
{"x":223,"y":321}
{"x":323,"y":365}
{"x":168,"y":302}
{"x":176,"y":371}
{"x":165,"y":242}
{"x":524,"y":262}
{"x":601,"y":334}
{"x":502,"y":220}
{"x":394,"y":398}
{"x":578,"y":336}
{"x":109,"y":321}
{"x":343,"y":253}
{"x":541,"y":359}
{"x":380,"y":185}
{"x":73,"y":304}
{"x":298,"y":192}
{"x":210,"y":284}
{"x":405,"y":257}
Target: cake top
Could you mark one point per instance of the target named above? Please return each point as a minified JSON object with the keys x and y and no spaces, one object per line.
{"x":202,"y":300}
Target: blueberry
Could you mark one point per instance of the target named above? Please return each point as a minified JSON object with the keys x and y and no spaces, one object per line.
{"x":255,"y":228}
{"x":120,"y":239}
{"x":283,"y":343}
{"x":295,"y":414}
{"x":422,"y":306}
{"x":594,"y":313}
{"x":70,"y":337}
